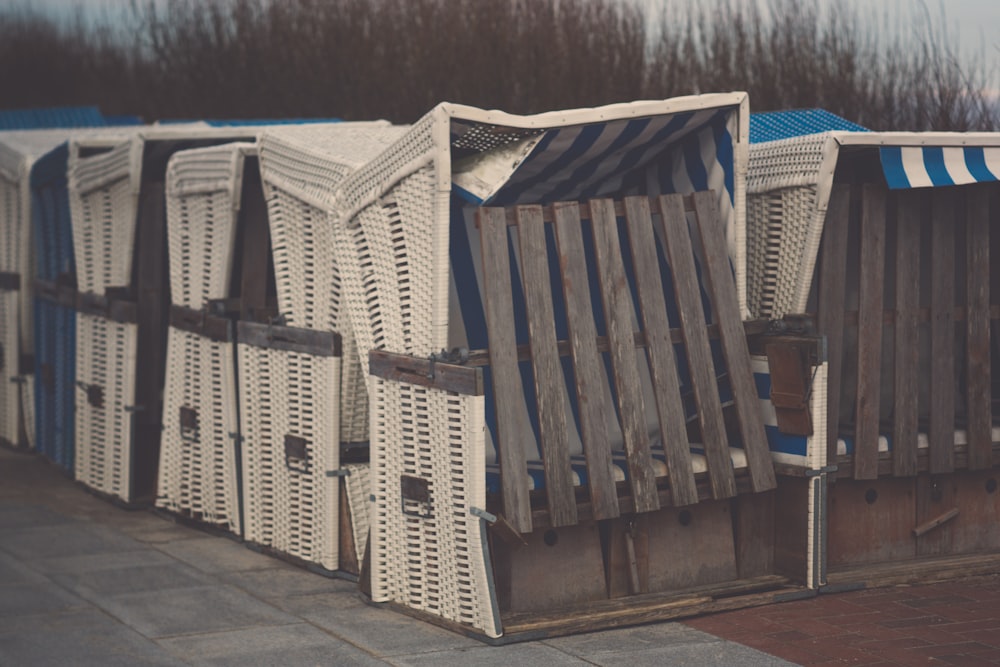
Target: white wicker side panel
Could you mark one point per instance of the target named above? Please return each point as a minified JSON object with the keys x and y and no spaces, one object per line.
{"x":10,"y":226}
{"x":431,"y":556}
{"x":200,"y":237}
{"x":310,"y":294}
{"x":359,"y":486}
{"x":390,"y":296}
{"x":198,"y":475}
{"x":28,"y":407}
{"x":9,"y":353}
{"x":291,"y":504}
{"x":106,"y":364}
{"x":103,"y":233}
{"x":778,"y":226}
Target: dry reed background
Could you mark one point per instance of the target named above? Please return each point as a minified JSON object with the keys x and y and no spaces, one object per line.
{"x":395,"y":59}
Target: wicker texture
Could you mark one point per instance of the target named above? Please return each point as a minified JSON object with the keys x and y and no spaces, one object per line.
{"x":103,"y":192}
{"x":359,"y":483}
{"x":106,"y":361}
{"x":198,"y":474}
{"x":301,"y":167}
{"x":291,"y":505}
{"x":788,"y":185}
{"x":203,"y":199}
{"x":430,"y":556}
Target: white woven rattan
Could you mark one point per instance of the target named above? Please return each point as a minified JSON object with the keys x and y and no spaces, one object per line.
{"x":106,"y":364}
{"x":203,"y":201}
{"x":302,"y":167}
{"x":432,"y":557}
{"x":104,"y":197}
{"x":359,"y":483}
{"x":198,"y":474}
{"x":788,"y":187}
{"x":291,"y":506}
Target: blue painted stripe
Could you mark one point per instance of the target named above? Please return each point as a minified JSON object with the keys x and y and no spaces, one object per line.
{"x":892,"y":167}
{"x":936,"y":169}
{"x":786,"y":444}
{"x":554,"y":170}
{"x":975,"y":162}
{"x":593,"y":166}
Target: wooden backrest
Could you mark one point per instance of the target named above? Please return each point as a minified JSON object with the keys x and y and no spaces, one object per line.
{"x":636,"y":241}
{"x":904,"y":297}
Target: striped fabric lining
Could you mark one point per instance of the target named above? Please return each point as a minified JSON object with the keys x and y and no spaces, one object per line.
{"x":935,"y":166}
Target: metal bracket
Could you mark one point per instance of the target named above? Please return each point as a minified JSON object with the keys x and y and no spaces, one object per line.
{"x":18,"y":379}
{"x":483,"y":514}
{"x":134,"y":408}
{"x":236,"y":435}
{"x":340,"y":472}
{"x":457,"y":355}
{"x":821,"y":471}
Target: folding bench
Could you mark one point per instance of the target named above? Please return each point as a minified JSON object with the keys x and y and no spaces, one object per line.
{"x":885,"y":240}
{"x":545,"y":362}
{"x":303,"y":402}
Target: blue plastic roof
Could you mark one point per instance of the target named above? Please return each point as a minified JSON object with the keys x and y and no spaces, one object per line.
{"x":774,"y":125}
{"x":33,"y":119}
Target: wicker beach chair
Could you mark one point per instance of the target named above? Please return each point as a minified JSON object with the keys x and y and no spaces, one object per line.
{"x":884,"y":240}
{"x":456,"y":448}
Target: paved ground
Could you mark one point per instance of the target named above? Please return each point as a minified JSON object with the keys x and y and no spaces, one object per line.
{"x":85,"y":583}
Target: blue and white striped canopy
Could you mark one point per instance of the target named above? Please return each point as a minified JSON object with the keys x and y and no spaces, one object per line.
{"x":935,"y":166}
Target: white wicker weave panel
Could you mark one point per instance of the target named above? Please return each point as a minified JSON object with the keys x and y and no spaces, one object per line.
{"x":10,"y":226}
{"x":10,"y":351}
{"x":779,"y":224}
{"x":103,"y":205}
{"x":106,"y":358}
{"x":291,"y":504}
{"x":306,"y":274}
{"x":430,"y":557}
{"x":359,"y":486}
{"x":787,"y":163}
{"x":198,"y":474}
{"x":28,"y":408}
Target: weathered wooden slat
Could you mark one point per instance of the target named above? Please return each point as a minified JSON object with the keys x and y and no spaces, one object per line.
{"x":869,"y":331}
{"x":699,"y":353}
{"x":503,"y":362}
{"x":721,"y":286}
{"x":548,"y":212}
{"x":942,"y":380}
{"x":546,"y":367}
{"x":904,"y":431}
{"x":616,"y":297}
{"x":587,"y":365}
{"x":831,"y":304}
{"x":977,"y":329}
{"x":660,"y":352}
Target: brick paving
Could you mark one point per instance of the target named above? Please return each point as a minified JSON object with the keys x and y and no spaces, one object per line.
{"x":950,"y":623}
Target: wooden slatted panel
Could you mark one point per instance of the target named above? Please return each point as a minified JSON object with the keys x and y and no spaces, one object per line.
{"x":616,"y":297}
{"x":699,"y":353}
{"x":869,"y":331}
{"x":587,"y":363}
{"x":942,"y":403}
{"x":904,"y":431}
{"x":503,"y":363}
{"x":660,"y":352}
{"x":831,"y":304}
{"x":722,"y":288}
{"x":977,"y":332}
{"x":546,"y":367}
